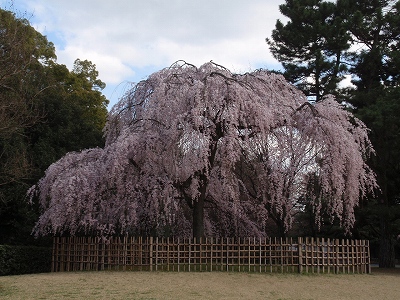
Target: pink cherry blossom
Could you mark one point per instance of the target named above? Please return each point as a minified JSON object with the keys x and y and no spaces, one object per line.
{"x":203,"y":151}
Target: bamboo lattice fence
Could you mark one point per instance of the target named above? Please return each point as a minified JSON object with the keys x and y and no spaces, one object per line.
{"x":212,"y":254}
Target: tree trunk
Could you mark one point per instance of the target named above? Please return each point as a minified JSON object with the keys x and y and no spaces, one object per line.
{"x":198,"y":218}
{"x":386,"y":246}
{"x":198,"y":209}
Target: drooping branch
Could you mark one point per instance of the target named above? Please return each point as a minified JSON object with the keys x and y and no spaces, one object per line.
{"x":243,"y":144}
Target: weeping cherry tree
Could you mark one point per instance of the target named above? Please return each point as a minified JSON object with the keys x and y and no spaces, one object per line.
{"x":203,"y":151}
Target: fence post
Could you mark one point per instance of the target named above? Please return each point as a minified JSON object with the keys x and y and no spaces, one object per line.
{"x":259,"y":252}
{"x":323,"y":261}
{"x":190,"y":251}
{"x":337,"y":256}
{"x":211,"y":253}
{"x":300,"y":249}
{"x":179,"y":254}
{"x":151,"y":253}
{"x":53,"y":255}
{"x":157,"y":245}
{"x":227,"y":254}
{"x":368,"y":258}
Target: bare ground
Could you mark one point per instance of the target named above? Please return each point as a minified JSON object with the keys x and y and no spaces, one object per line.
{"x":381,"y":284}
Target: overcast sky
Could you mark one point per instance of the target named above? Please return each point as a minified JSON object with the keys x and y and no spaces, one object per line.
{"x":130,"y":39}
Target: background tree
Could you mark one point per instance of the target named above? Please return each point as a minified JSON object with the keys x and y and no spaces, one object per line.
{"x":311,"y":46}
{"x":175,"y":149}
{"x":371,"y":31}
{"x":374,"y":27}
{"x":75,"y":114}
{"x":45,"y":111}
{"x":22,"y":51}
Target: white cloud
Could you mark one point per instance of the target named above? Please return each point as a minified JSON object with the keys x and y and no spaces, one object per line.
{"x":125,"y":38}
{"x":111,"y":68}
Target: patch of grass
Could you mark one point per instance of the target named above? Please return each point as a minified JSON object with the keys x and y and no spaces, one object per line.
{"x":200,"y":285}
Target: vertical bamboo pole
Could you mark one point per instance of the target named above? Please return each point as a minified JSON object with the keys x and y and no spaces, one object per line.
{"x":200,"y":253}
{"x":67,"y":256}
{"x":308,"y":259}
{"x":318,"y":250}
{"x":311,"y":256}
{"x":81,"y":241}
{"x":101,"y":253}
{"x":227,"y":254}
{"x":365,"y":267}
{"x":79,"y":254}
{"x":270,"y":254}
{"x":343,"y":255}
{"x":281,"y":253}
{"x":167,"y":244}
{"x":323,"y":252}
{"x":352,"y":256}
{"x":300,"y":254}
{"x":360,"y":256}
{"x":248,"y":254}
{"x":239,"y":246}
{"x":368,"y":258}
{"x":211,"y":253}
{"x":329,"y":255}
{"x":190,"y":252}
{"x":259,"y":253}
{"x":96,"y":259}
{"x":66,"y":242}
{"x":221,"y":254}
{"x":337,"y":256}
{"x":54,"y":256}
{"x":157,"y":245}
{"x":348,"y":256}
{"x":177,"y":247}
{"x":150,"y":253}
{"x":88,"y":244}
{"x":62,"y":253}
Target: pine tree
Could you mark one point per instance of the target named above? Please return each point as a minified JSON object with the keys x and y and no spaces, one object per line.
{"x":311,"y":46}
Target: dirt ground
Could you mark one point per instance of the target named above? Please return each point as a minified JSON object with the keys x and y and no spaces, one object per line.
{"x":381,"y":284}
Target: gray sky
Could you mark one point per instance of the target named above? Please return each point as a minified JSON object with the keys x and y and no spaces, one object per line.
{"x":130,"y":39}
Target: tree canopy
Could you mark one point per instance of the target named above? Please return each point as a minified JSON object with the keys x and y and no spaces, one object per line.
{"x":202,"y":151}
{"x":45,"y":111}
{"x":311,"y":46}
{"x":22,"y":51}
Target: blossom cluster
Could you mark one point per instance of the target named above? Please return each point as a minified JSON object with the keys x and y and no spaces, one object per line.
{"x":206,"y":148}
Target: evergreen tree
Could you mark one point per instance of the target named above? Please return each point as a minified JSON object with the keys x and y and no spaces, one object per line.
{"x":375,"y":28}
{"x":311,"y":46}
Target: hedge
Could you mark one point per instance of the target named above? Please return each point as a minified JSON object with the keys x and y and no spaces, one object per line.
{"x":16,"y":260}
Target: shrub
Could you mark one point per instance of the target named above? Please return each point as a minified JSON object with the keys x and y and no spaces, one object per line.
{"x":24,"y":259}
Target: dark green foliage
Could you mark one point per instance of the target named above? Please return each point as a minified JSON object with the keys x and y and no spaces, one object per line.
{"x":75,"y":114}
{"x":374,"y":26}
{"x":311,"y":45}
{"x":45,"y":111}
{"x":382,"y":215}
{"x":16,"y":260}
